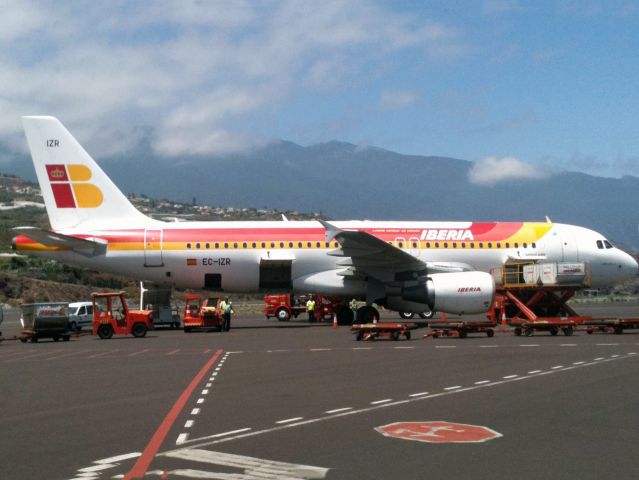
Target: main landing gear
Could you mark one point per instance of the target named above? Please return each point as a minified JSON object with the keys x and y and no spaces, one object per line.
{"x":367,"y":314}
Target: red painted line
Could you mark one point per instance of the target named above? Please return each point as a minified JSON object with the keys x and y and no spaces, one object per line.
{"x":142,"y":465}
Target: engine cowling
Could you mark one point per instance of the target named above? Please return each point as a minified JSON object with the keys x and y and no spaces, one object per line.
{"x":457,"y":292}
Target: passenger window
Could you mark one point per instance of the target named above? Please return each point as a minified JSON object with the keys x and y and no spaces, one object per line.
{"x":607,"y":244}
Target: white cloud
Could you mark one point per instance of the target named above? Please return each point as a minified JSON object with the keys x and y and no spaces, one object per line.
{"x":192,"y":69}
{"x":492,"y":170}
{"x":397,"y":100}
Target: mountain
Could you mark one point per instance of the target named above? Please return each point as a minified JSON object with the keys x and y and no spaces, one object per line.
{"x":345,"y":181}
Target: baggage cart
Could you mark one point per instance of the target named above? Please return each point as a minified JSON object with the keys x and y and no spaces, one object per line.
{"x":44,"y":320}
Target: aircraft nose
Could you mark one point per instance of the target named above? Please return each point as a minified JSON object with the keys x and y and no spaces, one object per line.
{"x":628,"y":266}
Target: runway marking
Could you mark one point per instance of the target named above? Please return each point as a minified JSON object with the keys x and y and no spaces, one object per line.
{"x":195,"y":411}
{"x":321,"y":349}
{"x":529,"y":345}
{"x":205,"y":392}
{"x":103,"y":354}
{"x":205,"y":441}
{"x":556,"y":367}
{"x":173,"y":352}
{"x":253,"y":468}
{"x":481,"y":382}
{"x":34,"y":355}
{"x":614,"y":356}
{"x":220,"y":435}
{"x":445,"y":346}
{"x":66,"y":355}
{"x":276,"y":351}
{"x":452,"y":388}
{"x":182,"y":437}
{"x":488,"y":346}
{"x":209,"y":385}
{"x":606,"y":344}
{"x":200,"y":401}
{"x":379,"y":402}
{"x":533,"y":372}
{"x":362,"y":348}
{"x":337,"y":410}
{"x":217,"y":369}
{"x":417,"y":394}
{"x":403,"y":348}
{"x":213,"y":375}
{"x":510,"y":376}
{"x":134,"y":354}
{"x":567,"y":344}
{"x":95,"y":468}
{"x":188,"y":424}
{"x":599,"y":358}
{"x":142,"y":464}
{"x":119,"y":458}
{"x":289,"y":420}
{"x":578,"y":363}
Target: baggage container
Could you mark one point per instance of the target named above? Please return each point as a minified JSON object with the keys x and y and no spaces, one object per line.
{"x":44,"y":320}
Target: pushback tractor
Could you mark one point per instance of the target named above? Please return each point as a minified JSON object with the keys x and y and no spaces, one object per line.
{"x":111,"y":315}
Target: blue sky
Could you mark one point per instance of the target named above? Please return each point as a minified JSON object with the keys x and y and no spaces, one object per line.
{"x":521,"y":88}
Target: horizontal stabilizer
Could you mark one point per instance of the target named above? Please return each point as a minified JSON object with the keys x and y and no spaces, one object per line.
{"x":48,"y":238}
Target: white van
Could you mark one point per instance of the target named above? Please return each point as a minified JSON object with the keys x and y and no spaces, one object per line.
{"x":80,"y":315}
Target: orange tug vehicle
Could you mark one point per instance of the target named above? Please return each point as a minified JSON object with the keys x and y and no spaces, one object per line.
{"x":203,"y":314}
{"x":284,"y":306}
{"x":111,"y":315}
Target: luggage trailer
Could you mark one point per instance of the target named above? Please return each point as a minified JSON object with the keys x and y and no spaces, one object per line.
{"x":373,"y":331}
{"x":460,"y":329}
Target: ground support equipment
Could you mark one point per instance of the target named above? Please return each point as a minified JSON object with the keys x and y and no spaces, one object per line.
{"x":460,"y":329}
{"x":611,"y":325}
{"x":373,"y":331}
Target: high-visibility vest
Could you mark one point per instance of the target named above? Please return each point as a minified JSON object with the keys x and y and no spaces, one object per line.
{"x":310,"y":305}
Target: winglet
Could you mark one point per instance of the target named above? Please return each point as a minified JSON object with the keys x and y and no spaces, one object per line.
{"x":548,"y":220}
{"x":331,"y":230}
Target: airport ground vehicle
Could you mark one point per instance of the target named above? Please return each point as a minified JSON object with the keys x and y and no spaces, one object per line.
{"x":166,"y":316}
{"x":44,"y":320}
{"x":460,"y":328}
{"x":111,"y":315}
{"x":198,"y":313}
{"x":80,"y":315}
{"x":285,"y":306}
{"x":373,"y":331}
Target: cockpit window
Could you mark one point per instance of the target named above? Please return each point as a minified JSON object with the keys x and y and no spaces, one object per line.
{"x":607,"y":244}
{"x":600,"y":244}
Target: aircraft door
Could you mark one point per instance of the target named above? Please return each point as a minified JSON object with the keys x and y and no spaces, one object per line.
{"x":153,"y":248}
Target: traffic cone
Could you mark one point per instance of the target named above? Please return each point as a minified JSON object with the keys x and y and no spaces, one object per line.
{"x":334,"y":321}
{"x":443,"y":316}
{"x":374,"y":318}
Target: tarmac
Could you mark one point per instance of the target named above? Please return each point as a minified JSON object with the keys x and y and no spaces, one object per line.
{"x":293,"y":400}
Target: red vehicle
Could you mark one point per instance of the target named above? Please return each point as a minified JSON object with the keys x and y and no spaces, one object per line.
{"x":200,"y":313}
{"x":111,"y":315}
{"x":285,"y":306}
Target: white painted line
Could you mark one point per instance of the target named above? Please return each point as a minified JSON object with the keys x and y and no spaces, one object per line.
{"x":217,"y":369}
{"x":488,"y":346}
{"x":578,"y":363}
{"x":362,"y":348}
{"x":208,"y":385}
{"x":219,"y":435}
{"x":320,"y":349}
{"x":237,"y":351}
{"x":567,"y":344}
{"x":598,"y":358}
{"x":205,"y":392}
{"x":632,"y":353}
{"x":532,"y":372}
{"x":337,"y":410}
{"x":189,"y":424}
{"x":508,"y":377}
{"x":92,"y":471}
{"x":606,"y":344}
{"x":403,"y":348}
{"x":557,"y":367}
{"x":445,"y":346}
{"x":182,"y":437}
{"x":529,"y":345}
{"x":452,"y":388}
{"x":276,"y":351}
{"x":289,"y":420}
{"x":195,"y":411}
{"x":420,"y":394}
{"x":214,"y":374}
{"x":614,"y":356}
{"x":119,"y":458}
{"x":481,"y":382}
{"x":200,"y":400}
{"x":378,"y":402}
{"x":135,"y":354}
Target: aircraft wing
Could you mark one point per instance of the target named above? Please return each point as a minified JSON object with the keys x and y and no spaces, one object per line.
{"x":366,"y":255}
{"x":48,"y":238}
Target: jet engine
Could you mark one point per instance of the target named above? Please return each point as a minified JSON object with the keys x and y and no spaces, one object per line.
{"x":456,"y":292}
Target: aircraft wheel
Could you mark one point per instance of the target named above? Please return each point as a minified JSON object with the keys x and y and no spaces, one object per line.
{"x":345,"y":315}
{"x":427,"y":315}
{"x":139,"y":330}
{"x":105,"y":332}
{"x":406,"y":315}
{"x":366,"y":314}
{"x":283,"y":315}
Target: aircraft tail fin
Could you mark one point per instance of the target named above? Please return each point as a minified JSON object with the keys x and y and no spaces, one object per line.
{"x":75,"y":189}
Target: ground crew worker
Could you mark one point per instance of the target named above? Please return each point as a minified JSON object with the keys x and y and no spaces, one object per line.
{"x":353,"y":305}
{"x":310,"y":309}
{"x":226,"y":315}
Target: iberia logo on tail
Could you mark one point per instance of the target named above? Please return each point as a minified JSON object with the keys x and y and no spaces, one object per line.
{"x":71,"y":187}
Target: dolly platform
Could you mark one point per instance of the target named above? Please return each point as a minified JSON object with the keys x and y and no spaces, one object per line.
{"x":373,"y":331}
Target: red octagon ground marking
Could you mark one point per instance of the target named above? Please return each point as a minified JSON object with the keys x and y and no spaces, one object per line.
{"x":438,"y":432}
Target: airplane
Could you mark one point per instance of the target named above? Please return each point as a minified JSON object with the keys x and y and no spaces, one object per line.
{"x":403,"y":266}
